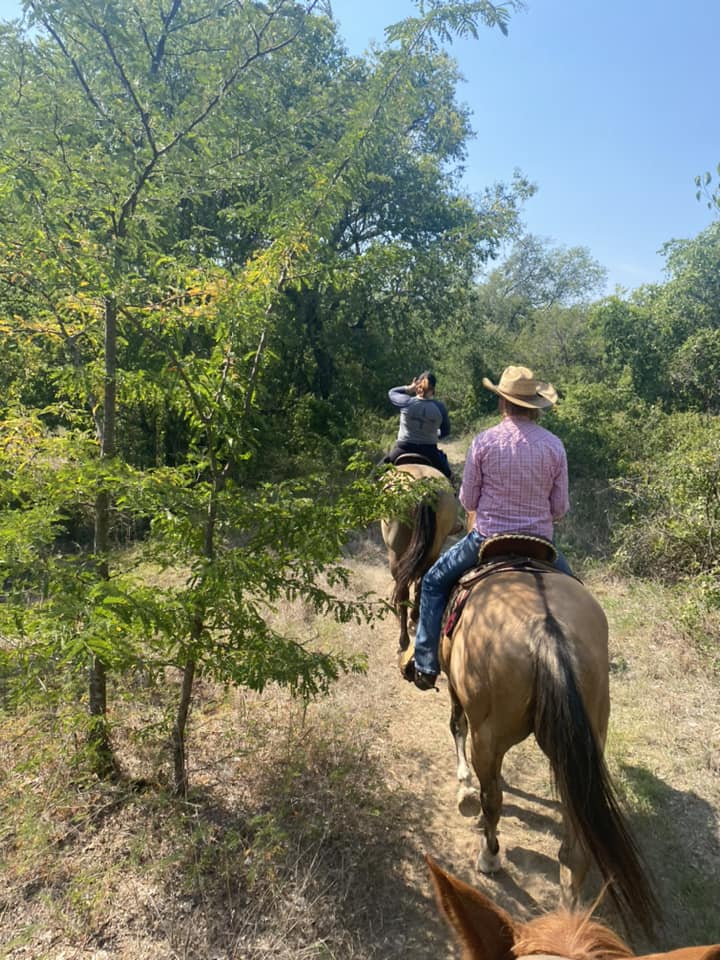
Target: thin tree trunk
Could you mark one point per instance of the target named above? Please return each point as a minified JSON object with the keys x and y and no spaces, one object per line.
{"x":179,"y":759}
{"x":99,"y":736}
{"x":186,"y":690}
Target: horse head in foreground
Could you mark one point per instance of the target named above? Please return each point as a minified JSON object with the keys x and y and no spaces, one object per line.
{"x":486,"y":932}
{"x":414,"y":544}
{"x":529,"y":654}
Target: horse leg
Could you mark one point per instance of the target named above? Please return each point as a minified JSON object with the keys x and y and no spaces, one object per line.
{"x":487,"y":767}
{"x":402,"y":595}
{"x":468,"y":798}
{"x":574,"y":865}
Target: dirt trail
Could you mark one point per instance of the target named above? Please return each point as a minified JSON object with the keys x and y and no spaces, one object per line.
{"x":664,"y":747}
{"x":424,"y":765}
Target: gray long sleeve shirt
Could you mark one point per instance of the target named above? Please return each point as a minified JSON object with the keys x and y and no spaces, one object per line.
{"x":421,"y":421}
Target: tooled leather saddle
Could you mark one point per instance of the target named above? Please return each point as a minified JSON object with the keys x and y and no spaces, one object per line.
{"x":505,"y":551}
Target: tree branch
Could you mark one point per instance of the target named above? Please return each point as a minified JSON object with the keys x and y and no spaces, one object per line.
{"x":203,"y":416}
{"x":130,"y":203}
{"x":167,"y":20}
{"x":129,"y":89}
{"x":71,"y":60}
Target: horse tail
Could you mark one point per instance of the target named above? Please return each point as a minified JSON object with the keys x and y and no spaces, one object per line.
{"x":582,"y":779}
{"x":416,"y":559}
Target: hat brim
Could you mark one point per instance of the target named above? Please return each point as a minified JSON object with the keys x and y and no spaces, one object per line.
{"x":544,"y":398}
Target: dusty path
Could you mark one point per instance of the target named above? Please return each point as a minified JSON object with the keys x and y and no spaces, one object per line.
{"x":664,"y":750}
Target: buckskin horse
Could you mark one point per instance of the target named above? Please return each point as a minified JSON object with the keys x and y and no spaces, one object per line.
{"x":529,"y":654}
{"x":414,"y":544}
{"x":486,"y":932}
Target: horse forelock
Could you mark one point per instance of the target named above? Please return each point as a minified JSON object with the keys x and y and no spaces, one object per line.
{"x":570,"y":934}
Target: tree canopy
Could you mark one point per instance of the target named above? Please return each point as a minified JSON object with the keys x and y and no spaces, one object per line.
{"x":220,"y":232}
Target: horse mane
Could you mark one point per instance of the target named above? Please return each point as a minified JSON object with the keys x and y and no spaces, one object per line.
{"x":569,"y":933}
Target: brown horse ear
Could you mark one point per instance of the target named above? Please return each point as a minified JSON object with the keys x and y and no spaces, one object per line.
{"x":484,"y":930}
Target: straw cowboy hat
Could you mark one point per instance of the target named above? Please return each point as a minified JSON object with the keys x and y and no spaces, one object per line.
{"x":518,"y":385}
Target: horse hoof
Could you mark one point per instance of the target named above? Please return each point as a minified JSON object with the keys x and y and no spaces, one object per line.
{"x":488,"y":862}
{"x":469,"y":802}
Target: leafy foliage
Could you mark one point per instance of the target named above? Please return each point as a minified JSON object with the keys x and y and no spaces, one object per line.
{"x":673,"y":494}
{"x":223,"y":238}
{"x":215,"y":222}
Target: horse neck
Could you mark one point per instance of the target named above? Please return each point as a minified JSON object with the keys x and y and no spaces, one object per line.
{"x":569,"y":934}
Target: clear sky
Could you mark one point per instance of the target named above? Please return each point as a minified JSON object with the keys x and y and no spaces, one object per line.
{"x":609,"y":106}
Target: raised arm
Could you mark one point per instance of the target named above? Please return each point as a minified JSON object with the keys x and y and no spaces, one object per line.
{"x":401,"y":396}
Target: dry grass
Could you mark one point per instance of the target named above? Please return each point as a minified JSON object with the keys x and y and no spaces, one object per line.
{"x":303,"y":834}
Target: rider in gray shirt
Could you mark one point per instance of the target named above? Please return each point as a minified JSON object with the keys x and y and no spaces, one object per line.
{"x":423,"y":420}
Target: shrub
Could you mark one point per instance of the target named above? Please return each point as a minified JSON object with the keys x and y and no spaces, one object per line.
{"x":672,"y":522}
{"x":599,"y":425}
{"x":700,"y":616}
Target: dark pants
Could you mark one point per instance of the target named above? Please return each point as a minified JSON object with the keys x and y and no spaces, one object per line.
{"x":431,"y":452}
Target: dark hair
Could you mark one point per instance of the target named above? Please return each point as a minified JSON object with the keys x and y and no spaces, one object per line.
{"x":427,"y":375}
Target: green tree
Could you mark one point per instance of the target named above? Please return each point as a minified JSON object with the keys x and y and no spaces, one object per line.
{"x":163,"y":227}
{"x":690,"y":299}
{"x":694,"y":372}
{"x":707,"y":188}
{"x":400,"y":255}
{"x":530,"y":308}
{"x":672,"y":497}
{"x":543,"y":276}
{"x":92,"y":178}
{"x":631,"y":339}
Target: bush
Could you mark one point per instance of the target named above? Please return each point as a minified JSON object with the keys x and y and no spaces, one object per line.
{"x":700,"y":616}
{"x":599,"y":426}
{"x":672,"y":495}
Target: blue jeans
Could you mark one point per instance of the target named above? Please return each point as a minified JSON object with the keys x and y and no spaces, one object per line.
{"x":437,"y":585}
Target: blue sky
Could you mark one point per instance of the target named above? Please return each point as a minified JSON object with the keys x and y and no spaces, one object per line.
{"x":610,"y":107}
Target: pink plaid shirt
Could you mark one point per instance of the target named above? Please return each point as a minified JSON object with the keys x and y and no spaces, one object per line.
{"x":516,"y":479}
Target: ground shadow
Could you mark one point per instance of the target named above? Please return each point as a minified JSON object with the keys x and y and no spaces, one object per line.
{"x":534,"y":820}
{"x":534,"y":797}
{"x":326,"y":852}
{"x":348,"y":850}
{"x":677,"y":832}
{"x":528,"y":882}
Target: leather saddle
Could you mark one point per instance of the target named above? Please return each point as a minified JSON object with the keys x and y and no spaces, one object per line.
{"x":505,"y":551}
{"x":406,"y":458}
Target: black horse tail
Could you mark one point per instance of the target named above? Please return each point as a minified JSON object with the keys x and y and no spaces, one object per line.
{"x":582,"y":779}
{"x":415,"y":561}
